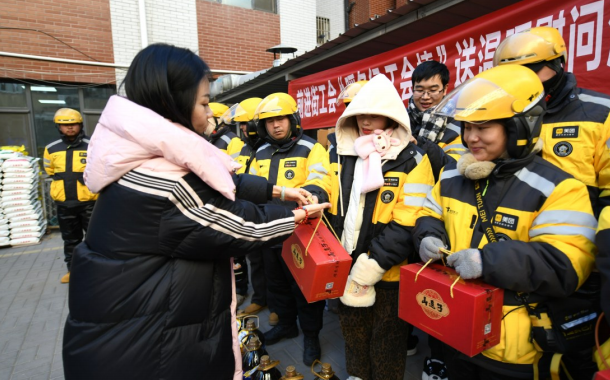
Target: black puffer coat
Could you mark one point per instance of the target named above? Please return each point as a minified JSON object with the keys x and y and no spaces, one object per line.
{"x":151,"y":287}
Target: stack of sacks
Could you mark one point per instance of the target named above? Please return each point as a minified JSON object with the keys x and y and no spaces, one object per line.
{"x":20,"y":202}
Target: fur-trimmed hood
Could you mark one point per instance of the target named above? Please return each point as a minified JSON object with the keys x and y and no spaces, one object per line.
{"x":377,"y":97}
{"x":471,"y":168}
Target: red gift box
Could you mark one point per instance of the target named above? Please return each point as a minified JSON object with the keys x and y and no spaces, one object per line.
{"x":468,"y":318}
{"x":602,"y":375}
{"x":321,"y":270}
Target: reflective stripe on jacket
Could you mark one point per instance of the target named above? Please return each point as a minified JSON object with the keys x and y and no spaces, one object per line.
{"x":65,"y":163}
{"x":302,"y":162}
{"x":452,"y":141}
{"x":576,"y":136}
{"x":227,"y":141}
{"x":545,"y":227}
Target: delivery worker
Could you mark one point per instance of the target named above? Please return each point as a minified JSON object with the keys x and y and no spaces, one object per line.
{"x":243,"y":115}
{"x":222,"y":136}
{"x":576,"y":129}
{"x":376,"y":195}
{"x":65,"y":161}
{"x":289,"y":158}
{"x":429,"y":82}
{"x":531,"y":229}
{"x":218,"y":109}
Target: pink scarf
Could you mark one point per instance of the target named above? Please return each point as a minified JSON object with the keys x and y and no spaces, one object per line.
{"x":371,"y":148}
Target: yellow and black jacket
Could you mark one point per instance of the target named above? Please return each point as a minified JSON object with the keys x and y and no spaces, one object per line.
{"x":227,"y":141}
{"x":65,"y":162}
{"x":388,"y":214}
{"x":451,"y":143}
{"x":299,"y":162}
{"x":543,"y":220}
{"x":379,"y":222}
{"x":576,"y":136}
{"x":245,"y":158}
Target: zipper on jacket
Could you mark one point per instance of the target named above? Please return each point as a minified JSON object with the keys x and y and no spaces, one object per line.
{"x":473,"y":221}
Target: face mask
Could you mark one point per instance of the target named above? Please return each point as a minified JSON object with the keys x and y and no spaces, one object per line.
{"x":550,"y":85}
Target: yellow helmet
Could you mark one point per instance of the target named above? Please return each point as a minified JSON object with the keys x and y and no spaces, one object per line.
{"x":227,"y":116}
{"x":512,"y":94}
{"x":347,"y":94}
{"x":245,"y":109}
{"x":244,"y":113}
{"x":277,"y":104}
{"x":218,"y":109}
{"x":533,"y":45}
{"x":67,"y":116}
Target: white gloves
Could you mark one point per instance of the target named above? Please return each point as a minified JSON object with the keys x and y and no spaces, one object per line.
{"x":360,"y":289}
{"x":467,"y":263}
{"x":428,"y":249}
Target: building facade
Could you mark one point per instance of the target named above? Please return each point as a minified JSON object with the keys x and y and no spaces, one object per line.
{"x":75,"y":53}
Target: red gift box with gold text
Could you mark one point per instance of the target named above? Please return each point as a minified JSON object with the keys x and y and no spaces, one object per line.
{"x":468,"y":320}
{"x":602,"y":375}
{"x":321,"y":270}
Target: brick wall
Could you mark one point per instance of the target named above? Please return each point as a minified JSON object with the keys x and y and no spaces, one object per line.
{"x":234,"y":38}
{"x":84,"y":24}
{"x":380,"y":7}
{"x":365,"y":9}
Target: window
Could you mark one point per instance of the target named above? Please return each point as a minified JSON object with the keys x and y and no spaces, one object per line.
{"x":27,"y":111}
{"x":16,"y":131}
{"x":91,"y":120}
{"x":259,"y":5}
{"x":46,"y":101}
{"x":323,"y":30}
{"x":12,"y":95}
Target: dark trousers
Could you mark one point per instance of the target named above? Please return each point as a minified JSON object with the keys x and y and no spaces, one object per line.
{"x":375,"y":338}
{"x":461,"y":367}
{"x":73,"y":223}
{"x":257,"y":278}
{"x":286,"y":299}
{"x":436,"y":348}
{"x":240,"y":268}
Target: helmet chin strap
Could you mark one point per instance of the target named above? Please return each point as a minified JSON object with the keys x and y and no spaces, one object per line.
{"x":282,"y":141}
{"x":553,"y":84}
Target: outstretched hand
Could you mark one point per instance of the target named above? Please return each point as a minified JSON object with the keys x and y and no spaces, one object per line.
{"x":310,"y":211}
{"x":298,"y":195}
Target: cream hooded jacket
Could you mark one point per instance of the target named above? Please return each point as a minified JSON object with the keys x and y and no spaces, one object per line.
{"x":378,"y":222}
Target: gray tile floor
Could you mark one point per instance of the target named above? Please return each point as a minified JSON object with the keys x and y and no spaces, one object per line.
{"x":34,"y":306}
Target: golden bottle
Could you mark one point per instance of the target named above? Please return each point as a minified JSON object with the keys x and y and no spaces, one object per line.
{"x":266,"y":370}
{"x":249,"y":330}
{"x":253,"y":354}
{"x":292,"y":374}
{"x":326,"y":373}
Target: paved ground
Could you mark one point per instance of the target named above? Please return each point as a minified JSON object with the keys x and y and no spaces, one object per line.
{"x":33,"y":310}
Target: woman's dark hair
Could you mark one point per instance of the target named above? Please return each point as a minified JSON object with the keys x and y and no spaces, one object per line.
{"x":165,"y":79}
{"x":428,"y":69}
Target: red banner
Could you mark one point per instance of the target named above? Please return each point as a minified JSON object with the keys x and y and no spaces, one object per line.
{"x":467,"y":50}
